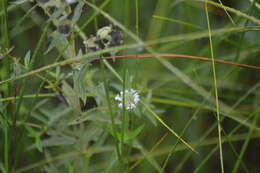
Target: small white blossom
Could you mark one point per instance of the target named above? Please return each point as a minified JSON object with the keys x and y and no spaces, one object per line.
{"x":131,"y":99}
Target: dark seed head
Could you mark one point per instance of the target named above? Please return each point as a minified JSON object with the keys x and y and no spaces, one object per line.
{"x":64,"y":29}
{"x":117,"y":38}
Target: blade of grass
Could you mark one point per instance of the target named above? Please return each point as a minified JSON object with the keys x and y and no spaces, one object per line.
{"x":229,"y":16}
{"x":255,"y":4}
{"x":137,"y":17}
{"x":178,"y":21}
{"x":245,"y":145}
{"x":93,"y":16}
{"x":208,"y":142}
{"x":155,"y":26}
{"x":216,"y":91}
{"x":182,"y":133}
{"x":111,"y":113}
{"x":232,"y":10}
{"x":228,"y":139}
{"x":16,"y":28}
{"x":181,"y":103}
{"x":215,"y":125}
{"x":152,"y":149}
{"x":167,"y":127}
{"x":5,"y":73}
{"x":165,"y":55}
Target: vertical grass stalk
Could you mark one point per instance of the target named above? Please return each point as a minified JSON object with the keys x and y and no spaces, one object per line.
{"x":245,"y":145}
{"x":216,"y":90}
{"x":137,"y":17}
{"x":5,"y":73}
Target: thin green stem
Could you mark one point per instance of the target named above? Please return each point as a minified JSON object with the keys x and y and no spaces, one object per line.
{"x":95,"y":19}
{"x":216,"y":91}
{"x":228,"y":138}
{"x":5,"y":73}
{"x":178,"y":21}
{"x":229,"y":16}
{"x":242,"y":152}
{"x":111,"y":113}
{"x":167,"y":127}
{"x":137,"y":17}
{"x":232,"y":10}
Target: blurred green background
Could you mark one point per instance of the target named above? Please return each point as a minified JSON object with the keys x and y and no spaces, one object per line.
{"x":63,"y":119}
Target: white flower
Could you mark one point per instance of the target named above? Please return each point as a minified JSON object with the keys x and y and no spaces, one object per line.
{"x":131,"y":99}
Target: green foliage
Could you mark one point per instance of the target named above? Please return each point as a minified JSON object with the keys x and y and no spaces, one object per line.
{"x":62,"y":65}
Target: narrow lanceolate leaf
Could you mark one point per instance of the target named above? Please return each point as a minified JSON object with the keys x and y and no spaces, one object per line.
{"x":62,"y":44}
{"x":36,"y":136}
{"x":134,"y":133}
{"x":27,"y":59}
{"x":79,"y":83}
{"x":77,"y":12}
{"x":56,"y":141}
{"x":71,"y":96}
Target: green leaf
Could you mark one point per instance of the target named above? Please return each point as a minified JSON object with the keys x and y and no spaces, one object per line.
{"x":2,"y":168}
{"x":37,"y":137}
{"x":127,"y":136}
{"x":62,"y":44}
{"x":79,"y":83}
{"x":77,"y":12}
{"x":55,"y":141}
{"x":27,"y":59}
{"x":71,"y":96}
{"x":88,"y":115}
{"x":134,"y":133}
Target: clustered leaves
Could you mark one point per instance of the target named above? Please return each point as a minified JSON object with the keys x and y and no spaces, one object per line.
{"x":65,"y":16}
{"x":61,"y":13}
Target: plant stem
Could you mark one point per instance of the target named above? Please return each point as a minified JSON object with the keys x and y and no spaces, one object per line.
{"x":216,"y":91}
{"x":4,"y":73}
